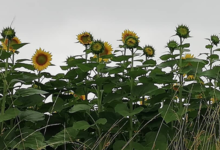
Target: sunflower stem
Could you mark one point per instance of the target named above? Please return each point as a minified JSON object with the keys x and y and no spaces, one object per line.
{"x":86,"y":91}
{"x":181,"y":75}
{"x":130,"y":102}
{"x":210,"y":59}
{"x":5,"y":88}
{"x":98,"y":91}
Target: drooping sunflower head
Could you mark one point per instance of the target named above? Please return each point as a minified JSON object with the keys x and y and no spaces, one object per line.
{"x":131,"y":42}
{"x":13,"y":41}
{"x":97,"y":47}
{"x":172,"y":45}
{"x":182,"y":31}
{"x":149,"y":51}
{"x":41,"y":59}
{"x":85,"y":38}
{"x":107,"y":51}
{"x":8,"y":33}
{"x":127,"y":33}
{"x":69,"y":60}
{"x":215,"y":39}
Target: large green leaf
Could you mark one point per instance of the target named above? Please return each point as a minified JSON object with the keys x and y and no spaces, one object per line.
{"x":81,"y":125}
{"x":101,"y":121}
{"x":17,"y":46}
{"x":87,"y":67}
{"x":65,"y":136}
{"x":123,"y":110}
{"x":32,"y":116}
{"x":28,"y":101}
{"x":168,"y":56}
{"x":9,"y":114}
{"x":80,"y":107}
{"x":144,"y":89}
{"x":159,"y":143}
{"x":29,"y":91}
{"x":26,"y":66}
{"x":169,"y":114}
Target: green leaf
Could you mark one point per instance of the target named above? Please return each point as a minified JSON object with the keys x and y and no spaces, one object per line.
{"x":28,"y":101}
{"x":9,"y":114}
{"x":30,"y":140}
{"x":87,"y":67}
{"x":65,"y":136}
{"x":209,"y":46}
{"x":113,"y":96}
{"x":149,"y":63}
{"x":80,"y":107}
{"x":144,"y":89}
{"x":29,"y":91}
{"x":26,"y":66}
{"x":32,"y":116}
{"x":101,"y":121}
{"x":160,"y":142}
{"x":218,"y":49}
{"x":123,"y":110}
{"x":81,"y":125}
{"x":121,"y":58}
{"x":186,"y":45}
{"x":213,"y":56}
{"x":4,"y":54}
{"x":168,"y":56}
{"x":17,"y":46}
{"x":20,"y":60}
{"x":169,"y":63}
{"x":169,"y":114}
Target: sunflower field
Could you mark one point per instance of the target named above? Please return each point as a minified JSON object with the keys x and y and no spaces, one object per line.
{"x":109,"y":99}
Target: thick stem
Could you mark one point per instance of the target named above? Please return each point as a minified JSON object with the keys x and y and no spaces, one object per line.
{"x":86,"y":91}
{"x":98,"y":89}
{"x":130,"y":102}
{"x":5,"y":87}
{"x":181,"y":75}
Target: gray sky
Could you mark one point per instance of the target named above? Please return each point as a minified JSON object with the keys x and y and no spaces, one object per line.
{"x":54,"y":24}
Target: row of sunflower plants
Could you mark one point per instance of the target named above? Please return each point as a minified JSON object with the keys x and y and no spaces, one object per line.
{"x":110,"y":99}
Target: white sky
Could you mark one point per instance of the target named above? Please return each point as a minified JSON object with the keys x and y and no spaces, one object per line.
{"x":54,"y":24}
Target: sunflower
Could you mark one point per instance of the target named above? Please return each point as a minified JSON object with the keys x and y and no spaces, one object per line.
{"x":85,"y":38}
{"x":188,"y":56}
{"x":82,"y":97}
{"x":107,"y":51}
{"x":41,"y":59}
{"x":13,"y":41}
{"x":97,"y":47}
{"x":172,"y":45}
{"x":127,"y":33}
{"x":8,"y":33}
{"x":131,"y":42}
{"x":191,"y":77}
{"x":149,"y":51}
{"x":182,"y":31}
{"x":141,"y":102}
{"x":215,"y":39}
{"x":176,"y":87}
{"x":213,"y":100}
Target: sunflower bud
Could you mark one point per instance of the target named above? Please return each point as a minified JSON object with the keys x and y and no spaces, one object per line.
{"x":182,"y":31}
{"x":215,"y":39}
{"x":97,"y":47}
{"x":8,"y":33}
{"x":172,"y":45}
{"x":149,"y":51}
{"x":131,"y":42}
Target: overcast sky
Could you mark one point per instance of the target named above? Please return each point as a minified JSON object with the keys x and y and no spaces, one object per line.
{"x":54,"y":24}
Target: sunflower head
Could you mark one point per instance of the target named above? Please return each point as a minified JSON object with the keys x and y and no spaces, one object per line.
{"x":149,"y":51}
{"x":69,"y":59}
{"x":215,"y":39}
{"x":41,"y":59}
{"x":97,"y":47}
{"x":213,"y":100}
{"x":13,"y":41}
{"x":172,"y":45}
{"x":176,"y":87}
{"x":182,"y":31}
{"x":107,"y":51}
{"x":8,"y":33}
{"x":82,"y":97}
{"x":85,"y":38}
{"x":141,"y":102}
{"x":127,"y":33}
{"x":131,"y":42}
{"x":199,"y":96}
{"x":190,"y":77}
